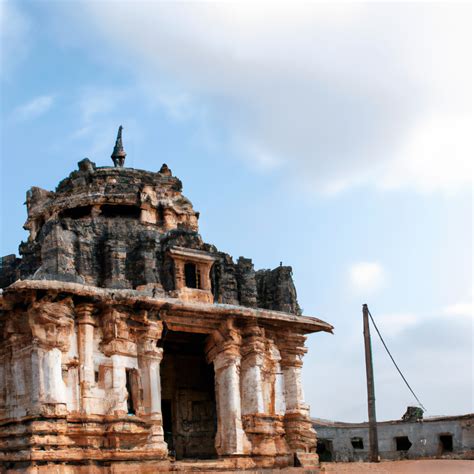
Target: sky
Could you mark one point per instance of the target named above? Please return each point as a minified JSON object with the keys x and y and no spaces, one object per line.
{"x":336,"y":138}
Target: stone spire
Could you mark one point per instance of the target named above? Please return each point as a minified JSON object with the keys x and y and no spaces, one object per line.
{"x":118,"y":155}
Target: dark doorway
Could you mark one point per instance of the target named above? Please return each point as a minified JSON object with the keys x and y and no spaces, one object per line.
{"x":167,"y":423}
{"x":446,"y":443}
{"x":132,"y":386}
{"x":324,"y":450}
{"x":402,"y":443}
{"x":188,"y":396}
{"x":191,"y":275}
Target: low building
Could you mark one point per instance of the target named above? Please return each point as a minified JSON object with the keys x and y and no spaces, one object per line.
{"x":447,"y":436}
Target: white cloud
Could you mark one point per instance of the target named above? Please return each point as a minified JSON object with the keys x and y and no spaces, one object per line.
{"x":366,"y":277}
{"x":34,"y":108}
{"x":436,"y":156}
{"x":14,"y":37}
{"x":338,"y":95}
{"x":394,"y":323}
{"x":459,"y":309}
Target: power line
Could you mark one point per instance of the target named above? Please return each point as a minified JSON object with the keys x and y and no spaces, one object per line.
{"x":393,"y":360}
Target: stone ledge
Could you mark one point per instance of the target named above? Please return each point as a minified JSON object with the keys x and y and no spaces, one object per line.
{"x":306,"y":324}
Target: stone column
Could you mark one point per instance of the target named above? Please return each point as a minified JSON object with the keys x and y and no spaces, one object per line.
{"x":279,"y":381}
{"x":85,"y":342}
{"x":262,"y":424}
{"x":149,"y":360}
{"x":51,"y":324}
{"x":115,"y":256}
{"x":148,"y":258}
{"x":223,"y":349}
{"x":54,"y":388}
{"x":117,"y":344}
{"x":253,"y":359}
{"x":300,"y":434}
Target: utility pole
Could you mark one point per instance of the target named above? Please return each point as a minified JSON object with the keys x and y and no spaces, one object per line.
{"x":373,"y":439}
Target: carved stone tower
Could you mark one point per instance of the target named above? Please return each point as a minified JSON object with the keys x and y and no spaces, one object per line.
{"x":126,"y":342}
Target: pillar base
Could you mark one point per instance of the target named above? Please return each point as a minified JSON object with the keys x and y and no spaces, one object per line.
{"x":300,"y":434}
{"x":266,"y":435}
{"x":306,"y":459}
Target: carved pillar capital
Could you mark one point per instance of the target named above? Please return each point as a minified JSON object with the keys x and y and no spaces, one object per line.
{"x":224,"y":343}
{"x":253,"y":348}
{"x":116,"y":333}
{"x":51,"y":323}
{"x":292,"y":349}
{"x":84,"y":313}
{"x":147,"y":340}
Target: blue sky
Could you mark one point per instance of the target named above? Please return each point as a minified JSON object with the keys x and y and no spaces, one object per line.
{"x":334,"y":138}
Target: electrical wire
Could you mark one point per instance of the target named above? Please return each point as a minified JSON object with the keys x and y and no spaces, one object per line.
{"x":393,"y":360}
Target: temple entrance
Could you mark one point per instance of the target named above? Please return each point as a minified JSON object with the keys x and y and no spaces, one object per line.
{"x":188,"y":399}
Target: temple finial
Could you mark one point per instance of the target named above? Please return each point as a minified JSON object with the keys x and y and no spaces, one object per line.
{"x":118,"y":155}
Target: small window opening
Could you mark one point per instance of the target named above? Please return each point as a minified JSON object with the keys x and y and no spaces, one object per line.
{"x":76,"y":212}
{"x":191,"y":275}
{"x":129,"y":387}
{"x":446,"y":442}
{"x":357,"y":443}
{"x":110,"y":210}
{"x":403,"y":443}
{"x":96,"y":376}
{"x":161,"y":214}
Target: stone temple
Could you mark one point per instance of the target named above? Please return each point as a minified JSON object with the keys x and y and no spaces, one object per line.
{"x":126,"y":342}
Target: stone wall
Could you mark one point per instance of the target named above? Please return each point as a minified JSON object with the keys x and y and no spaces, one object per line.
{"x":350,"y":441}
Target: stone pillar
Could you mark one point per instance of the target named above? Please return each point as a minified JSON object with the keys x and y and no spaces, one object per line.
{"x":85,"y":343}
{"x":253,"y":359}
{"x":279,"y":381}
{"x":149,"y":360}
{"x":115,"y":256}
{"x":150,"y":273}
{"x":54,"y":388}
{"x":51,"y":324}
{"x":117,"y":344}
{"x":223,"y":349}
{"x":263,"y":426}
{"x":300,"y":434}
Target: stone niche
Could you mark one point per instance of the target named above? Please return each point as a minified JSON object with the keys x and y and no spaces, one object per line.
{"x":192,"y":270}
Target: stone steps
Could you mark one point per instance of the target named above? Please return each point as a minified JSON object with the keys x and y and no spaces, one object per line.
{"x":307,"y":459}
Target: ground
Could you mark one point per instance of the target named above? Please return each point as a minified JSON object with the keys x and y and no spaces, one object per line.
{"x":425,"y":466}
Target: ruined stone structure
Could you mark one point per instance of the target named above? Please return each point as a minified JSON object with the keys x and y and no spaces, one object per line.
{"x":126,"y":342}
{"x":408,"y":438}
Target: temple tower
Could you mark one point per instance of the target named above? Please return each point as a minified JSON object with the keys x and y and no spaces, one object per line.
{"x":126,"y":340}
